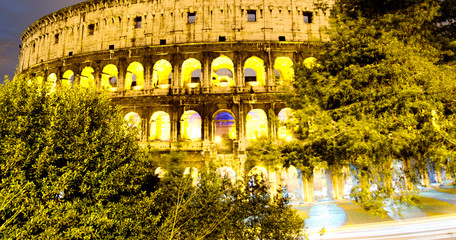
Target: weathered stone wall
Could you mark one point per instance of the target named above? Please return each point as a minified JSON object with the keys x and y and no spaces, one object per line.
{"x":97,"y":25}
{"x":78,"y":44}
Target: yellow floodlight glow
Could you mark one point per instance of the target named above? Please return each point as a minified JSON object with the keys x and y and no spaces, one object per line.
{"x":256,"y":124}
{"x":225,"y":68}
{"x":160,"y":127}
{"x":109,"y":73}
{"x":52,"y":82}
{"x":68,"y":79}
{"x":133,"y":120}
{"x":257,"y":65}
{"x":134,"y":79}
{"x":188,"y":67}
{"x":284,"y":66}
{"x":218,"y":139}
{"x":87,"y":79}
{"x":191,"y":126}
{"x":161,"y":73}
{"x":285,"y":115}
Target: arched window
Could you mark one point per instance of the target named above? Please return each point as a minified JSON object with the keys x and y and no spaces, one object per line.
{"x":133,"y":120}
{"x":222,"y":72}
{"x":224,"y":126}
{"x":109,"y":77}
{"x":87,"y":79}
{"x":191,"y":126}
{"x":284,"y":70}
{"x":256,"y":124}
{"x":254,"y":72}
{"x":134,"y":79}
{"x":161,"y":76}
{"x":52,"y":82}
{"x":160,"y":127}
{"x":283,"y":132}
{"x":226,"y":172}
{"x":191,"y":73}
{"x":68,"y":79}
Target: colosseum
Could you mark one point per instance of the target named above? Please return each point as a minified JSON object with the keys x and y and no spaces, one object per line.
{"x":197,"y":76}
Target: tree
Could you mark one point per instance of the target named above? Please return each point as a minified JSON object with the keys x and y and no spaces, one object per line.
{"x":69,"y":167}
{"x":377,"y":95}
{"x":219,"y":208}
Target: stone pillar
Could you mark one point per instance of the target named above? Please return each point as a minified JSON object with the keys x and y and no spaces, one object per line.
{"x":176,"y":78}
{"x":121,"y":76}
{"x":338,"y":185}
{"x":269,"y":65}
{"x":241,"y":129}
{"x":238,"y":72}
{"x":206,"y":73}
{"x":308,"y":189}
{"x":148,"y":84}
{"x":174,"y":120}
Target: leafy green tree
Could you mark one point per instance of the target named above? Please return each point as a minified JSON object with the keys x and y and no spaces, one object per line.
{"x":68,"y":166}
{"x":377,"y":94}
{"x":218,"y":208}
{"x":71,"y":169}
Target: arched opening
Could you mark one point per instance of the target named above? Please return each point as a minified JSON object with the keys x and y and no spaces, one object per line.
{"x":284,"y":117}
{"x":284,"y":70}
{"x":258,"y":175}
{"x":222,"y":72}
{"x":256,"y":124}
{"x":160,"y":127}
{"x":191,"y":126}
{"x":254,"y":72}
{"x":191,"y":73}
{"x":292,"y":185}
{"x":87,"y":79}
{"x":226,"y":172}
{"x":51,"y":82}
{"x":68,"y":79}
{"x":133,"y":120}
{"x":134,"y":79}
{"x":322,"y":180}
{"x":109,"y":77}
{"x":161,"y":76}
{"x":224,"y":126}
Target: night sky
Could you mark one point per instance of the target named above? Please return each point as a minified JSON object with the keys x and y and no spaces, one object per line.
{"x":15,"y":17}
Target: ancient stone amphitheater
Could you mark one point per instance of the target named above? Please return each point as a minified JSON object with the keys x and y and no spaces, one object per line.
{"x":198,"y":76}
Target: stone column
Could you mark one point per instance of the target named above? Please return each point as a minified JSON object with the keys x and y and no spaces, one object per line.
{"x":176,"y":78}
{"x":270,"y":74}
{"x":148,"y":84}
{"x":308,"y":189}
{"x":206,"y":73}
{"x":238,"y":72}
{"x":121,"y":76}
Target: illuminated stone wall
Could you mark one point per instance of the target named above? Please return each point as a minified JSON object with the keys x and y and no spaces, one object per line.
{"x":97,"y":25}
{"x":196,"y":76}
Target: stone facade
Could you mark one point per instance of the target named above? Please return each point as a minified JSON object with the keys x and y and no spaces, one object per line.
{"x":196,"y":76}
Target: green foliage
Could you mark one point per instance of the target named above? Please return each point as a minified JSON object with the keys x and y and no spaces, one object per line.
{"x":68,"y":166}
{"x":221,"y":209}
{"x":377,"y":94}
{"x":71,"y":169}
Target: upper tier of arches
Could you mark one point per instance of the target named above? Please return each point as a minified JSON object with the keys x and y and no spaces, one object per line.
{"x":99,"y":25}
{"x":162,"y":75}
